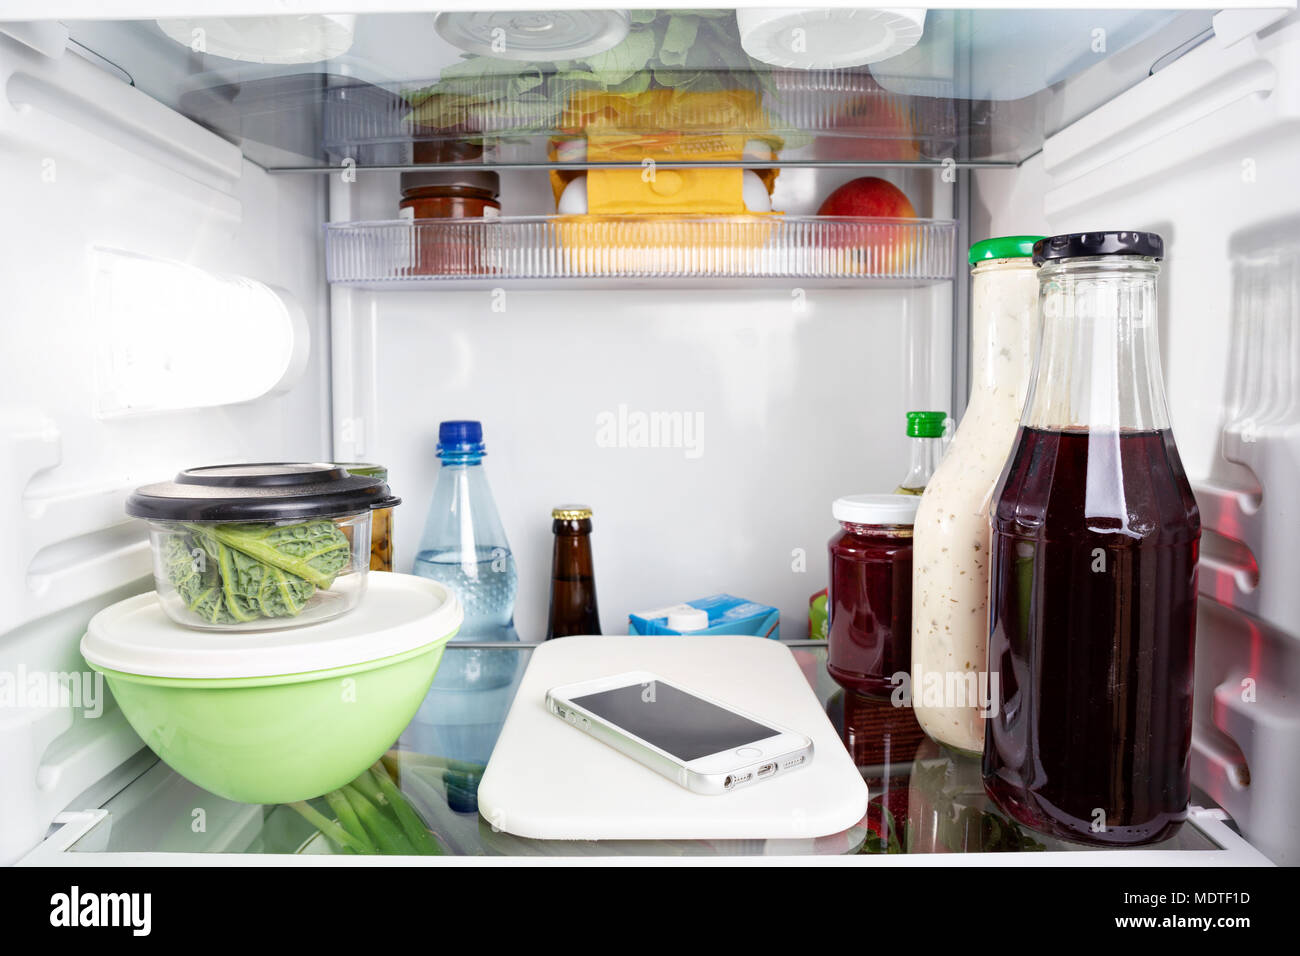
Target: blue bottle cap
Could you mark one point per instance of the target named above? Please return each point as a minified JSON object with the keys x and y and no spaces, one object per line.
{"x":460,"y":436}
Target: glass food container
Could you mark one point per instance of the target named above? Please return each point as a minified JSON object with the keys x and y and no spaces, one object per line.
{"x":950,"y":620}
{"x":251,"y":547}
{"x":869,"y":601}
{"x":1092,"y":600}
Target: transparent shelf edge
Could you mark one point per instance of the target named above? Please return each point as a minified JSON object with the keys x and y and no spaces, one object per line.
{"x":401,"y":253}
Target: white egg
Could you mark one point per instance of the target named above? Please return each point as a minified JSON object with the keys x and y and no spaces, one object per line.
{"x":758,"y":149}
{"x":573,"y":201}
{"x":753,"y":192}
{"x":571,"y":151}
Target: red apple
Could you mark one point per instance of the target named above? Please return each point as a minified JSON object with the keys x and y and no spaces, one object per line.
{"x":879,"y":249}
{"x":868,"y":196}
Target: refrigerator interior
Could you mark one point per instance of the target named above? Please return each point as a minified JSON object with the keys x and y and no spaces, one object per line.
{"x":175,"y":299}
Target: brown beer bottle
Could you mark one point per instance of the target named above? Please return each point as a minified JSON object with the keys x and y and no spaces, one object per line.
{"x":573,"y":583}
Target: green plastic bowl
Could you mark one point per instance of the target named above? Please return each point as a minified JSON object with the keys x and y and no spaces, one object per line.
{"x":278,"y":739}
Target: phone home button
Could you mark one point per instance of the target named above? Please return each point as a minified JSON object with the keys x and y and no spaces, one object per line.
{"x":749,"y":752}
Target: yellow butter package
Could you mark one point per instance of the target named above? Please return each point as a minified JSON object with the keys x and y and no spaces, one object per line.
{"x":665,"y":126}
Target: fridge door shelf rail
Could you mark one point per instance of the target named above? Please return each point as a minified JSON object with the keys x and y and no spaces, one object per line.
{"x":410,"y":254}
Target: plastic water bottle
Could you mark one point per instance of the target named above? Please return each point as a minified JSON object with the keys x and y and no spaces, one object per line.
{"x":464,"y":546}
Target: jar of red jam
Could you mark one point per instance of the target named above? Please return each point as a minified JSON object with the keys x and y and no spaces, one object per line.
{"x":869,"y":600}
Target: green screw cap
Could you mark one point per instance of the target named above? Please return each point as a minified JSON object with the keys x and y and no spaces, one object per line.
{"x":1003,"y":247}
{"x":926,"y":424}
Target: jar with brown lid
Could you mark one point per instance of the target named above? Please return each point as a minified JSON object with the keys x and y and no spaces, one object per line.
{"x":450,"y":194}
{"x":439,"y":197}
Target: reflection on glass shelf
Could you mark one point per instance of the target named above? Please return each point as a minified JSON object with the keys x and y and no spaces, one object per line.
{"x":408,"y":253}
{"x":825,"y":117}
{"x":925,"y":799}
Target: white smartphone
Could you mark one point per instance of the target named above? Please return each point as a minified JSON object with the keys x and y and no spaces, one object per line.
{"x":704,"y":745}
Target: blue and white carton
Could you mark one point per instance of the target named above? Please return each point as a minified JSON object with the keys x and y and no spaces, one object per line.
{"x":726,"y":615}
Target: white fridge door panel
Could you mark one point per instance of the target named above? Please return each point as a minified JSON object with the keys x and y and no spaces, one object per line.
{"x":1207,"y":153}
{"x":152,"y":278}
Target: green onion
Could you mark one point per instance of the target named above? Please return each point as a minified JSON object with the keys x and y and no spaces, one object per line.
{"x":367,"y":787}
{"x":410,"y":821}
{"x":348,"y":818}
{"x":386,"y":833}
{"x":328,"y":827}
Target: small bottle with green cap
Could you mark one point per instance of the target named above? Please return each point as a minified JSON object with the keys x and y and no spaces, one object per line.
{"x":926,"y":431}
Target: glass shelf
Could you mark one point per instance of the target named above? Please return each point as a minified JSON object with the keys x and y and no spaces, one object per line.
{"x":424,"y":253}
{"x":924,"y":799}
{"x":320,"y":121}
{"x":975,"y":90}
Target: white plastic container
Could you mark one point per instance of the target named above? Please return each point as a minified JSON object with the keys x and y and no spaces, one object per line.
{"x":950,"y":546}
{"x":295,"y":38}
{"x":811,"y":38}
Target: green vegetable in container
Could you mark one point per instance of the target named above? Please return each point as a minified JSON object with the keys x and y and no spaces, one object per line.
{"x":697,"y":50}
{"x":195,"y":580}
{"x":315,"y":550}
{"x":235,"y":573}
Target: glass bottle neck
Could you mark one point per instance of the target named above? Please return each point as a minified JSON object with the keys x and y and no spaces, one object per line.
{"x":571,"y":527}
{"x":926,"y":453}
{"x":463,"y":521}
{"x":1004,"y":327}
{"x":1098,"y":365}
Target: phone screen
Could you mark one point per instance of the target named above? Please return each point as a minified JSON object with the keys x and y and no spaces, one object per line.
{"x":673,"y":720}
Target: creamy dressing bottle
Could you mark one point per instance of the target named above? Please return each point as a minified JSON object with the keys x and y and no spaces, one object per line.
{"x":951,"y":535}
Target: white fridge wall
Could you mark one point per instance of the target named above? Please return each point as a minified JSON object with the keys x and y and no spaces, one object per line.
{"x":1207,"y":153}
{"x":86,"y":162}
{"x":796,"y":409}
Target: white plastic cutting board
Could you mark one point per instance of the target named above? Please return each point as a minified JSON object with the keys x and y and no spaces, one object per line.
{"x":547,"y":780}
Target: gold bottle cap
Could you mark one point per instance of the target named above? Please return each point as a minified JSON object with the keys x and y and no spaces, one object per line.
{"x":570,"y":513}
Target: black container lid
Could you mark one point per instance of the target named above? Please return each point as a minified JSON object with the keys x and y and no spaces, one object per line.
{"x":261,"y":492}
{"x":1077,"y":245}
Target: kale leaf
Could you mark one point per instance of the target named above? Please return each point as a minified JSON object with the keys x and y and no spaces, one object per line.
{"x":232,"y":574}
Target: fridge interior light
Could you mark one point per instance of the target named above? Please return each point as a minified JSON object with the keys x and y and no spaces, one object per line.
{"x":176,"y":337}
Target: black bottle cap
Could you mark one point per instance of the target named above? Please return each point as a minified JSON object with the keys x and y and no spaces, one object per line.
{"x":1078,"y":245}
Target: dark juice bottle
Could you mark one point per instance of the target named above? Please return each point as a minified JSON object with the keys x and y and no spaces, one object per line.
{"x":1094,"y":616}
{"x":1092,"y":599}
{"x":573,"y":582}
{"x":869,"y":601}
